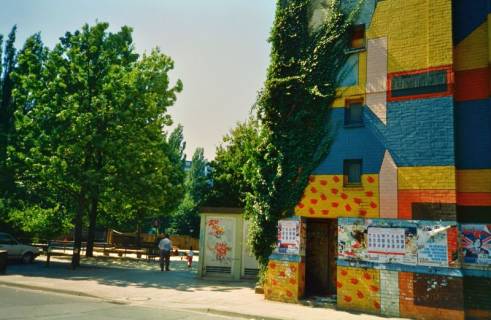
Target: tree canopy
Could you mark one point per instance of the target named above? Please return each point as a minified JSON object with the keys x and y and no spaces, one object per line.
{"x":91,"y":126}
{"x":229,"y":168}
{"x":185,"y":220}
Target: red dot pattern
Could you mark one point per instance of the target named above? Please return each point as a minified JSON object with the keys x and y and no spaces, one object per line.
{"x":326,"y":196}
{"x":358,"y":289}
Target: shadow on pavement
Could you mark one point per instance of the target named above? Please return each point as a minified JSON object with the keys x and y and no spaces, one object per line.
{"x":126,"y":273}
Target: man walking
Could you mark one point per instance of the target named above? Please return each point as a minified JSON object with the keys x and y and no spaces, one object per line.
{"x":165,"y":246}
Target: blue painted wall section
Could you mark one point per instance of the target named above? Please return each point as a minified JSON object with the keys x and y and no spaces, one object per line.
{"x":467,"y":16}
{"x":362,"y":142}
{"x":474,"y":138}
{"x":348,"y":75}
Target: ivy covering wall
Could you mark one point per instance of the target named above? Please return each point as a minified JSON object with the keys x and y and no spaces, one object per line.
{"x":293,"y":109}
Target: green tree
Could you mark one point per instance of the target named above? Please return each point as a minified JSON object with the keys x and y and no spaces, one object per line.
{"x":7,"y":121}
{"x":293,"y":109}
{"x":34,"y":209}
{"x":197,"y":180}
{"x":228,"y":169}
{"x":147,"y":170}
{"x":120,"y":214}
{"x":185,"y":220}
{"x":98,"y":116}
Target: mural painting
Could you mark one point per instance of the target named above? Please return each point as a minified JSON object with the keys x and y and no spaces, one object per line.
{"x":219,"y":241}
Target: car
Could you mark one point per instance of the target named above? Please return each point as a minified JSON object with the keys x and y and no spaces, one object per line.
{"x":16,"y":250}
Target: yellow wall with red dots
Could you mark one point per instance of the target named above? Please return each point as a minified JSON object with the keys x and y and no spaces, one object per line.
{"x":285,"y":281}
{"x":358,"y":289}
{"x":327,"y":197}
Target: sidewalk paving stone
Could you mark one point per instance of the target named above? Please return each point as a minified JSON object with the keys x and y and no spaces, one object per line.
{"x":139,"y":282}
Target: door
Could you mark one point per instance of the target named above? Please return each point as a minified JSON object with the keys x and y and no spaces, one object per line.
{"x":320,"y":257}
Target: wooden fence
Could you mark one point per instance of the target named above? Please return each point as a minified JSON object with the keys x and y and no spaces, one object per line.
{"x":128,"y":240}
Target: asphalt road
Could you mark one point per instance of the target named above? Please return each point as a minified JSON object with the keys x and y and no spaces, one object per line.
{"x":26,"y":304}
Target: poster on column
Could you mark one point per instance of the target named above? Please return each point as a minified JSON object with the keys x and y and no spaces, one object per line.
{"x":433,"y":244}
{"x":290,"y":237}
{"x":220,"y":236}
{"x":476,"y":244}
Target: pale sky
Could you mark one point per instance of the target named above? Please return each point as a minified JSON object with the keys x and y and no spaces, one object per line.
{"x":219,"y":47}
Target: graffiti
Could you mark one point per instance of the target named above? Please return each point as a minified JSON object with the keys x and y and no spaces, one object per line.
{"x":476,"y":244}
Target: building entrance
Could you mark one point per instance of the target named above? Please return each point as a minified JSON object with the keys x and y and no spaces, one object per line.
{"x":320,"y":257}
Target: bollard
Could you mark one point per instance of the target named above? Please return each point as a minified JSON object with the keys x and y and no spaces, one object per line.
{"x":48,"y":255}
{"x":3,"y":261}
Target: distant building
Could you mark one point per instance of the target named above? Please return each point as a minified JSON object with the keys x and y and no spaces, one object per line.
{"x":397,"y":219}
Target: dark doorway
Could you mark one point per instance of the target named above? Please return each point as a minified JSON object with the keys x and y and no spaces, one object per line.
{"x":320,"y":258}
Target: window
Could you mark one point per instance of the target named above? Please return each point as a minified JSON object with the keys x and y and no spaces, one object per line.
{"x":353,"y":113}
{"x":352,"y":172}
{"x":358,"y":37}
{"x":6,"y":239}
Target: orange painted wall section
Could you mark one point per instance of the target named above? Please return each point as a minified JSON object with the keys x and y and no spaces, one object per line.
{"x":407,"y":197}
{"x":326,"y":197}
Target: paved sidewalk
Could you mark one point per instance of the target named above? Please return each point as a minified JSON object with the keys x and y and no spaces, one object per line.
{"x":142,"y":283}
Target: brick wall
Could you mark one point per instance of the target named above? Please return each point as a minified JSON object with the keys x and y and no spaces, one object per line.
{"x":430,"y":297}
{"x":477,"y":299}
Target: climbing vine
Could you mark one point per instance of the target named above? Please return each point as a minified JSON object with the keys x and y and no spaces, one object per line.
{"x":293,"y":109}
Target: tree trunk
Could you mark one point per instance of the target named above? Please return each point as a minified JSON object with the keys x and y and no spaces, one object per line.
{"x":77,"y":237}
{"x":92,"y":224}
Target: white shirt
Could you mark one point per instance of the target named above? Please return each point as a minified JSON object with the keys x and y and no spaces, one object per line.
{"x":165,"y":244}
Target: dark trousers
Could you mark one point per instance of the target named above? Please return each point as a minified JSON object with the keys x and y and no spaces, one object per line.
{"x":164,"y":260}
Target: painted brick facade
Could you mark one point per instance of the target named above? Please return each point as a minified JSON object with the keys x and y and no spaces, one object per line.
{"x":425,"y":146}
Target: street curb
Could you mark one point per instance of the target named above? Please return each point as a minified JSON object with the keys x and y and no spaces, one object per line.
{"x":55,"y":290}
{"x":87,"y":295}
{"x":235,"y":314}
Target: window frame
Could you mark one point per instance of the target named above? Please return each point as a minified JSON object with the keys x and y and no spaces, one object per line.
{"x":348,"y":122}
{"x":357,"y":28}
{"x":346,"y":164}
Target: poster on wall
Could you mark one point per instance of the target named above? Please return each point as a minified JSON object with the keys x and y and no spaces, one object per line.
{"x":220,"y":236}
{"x":392,"y":245}
{"x":352,"y":241}
{"x":433,"y":244}
{"x":291,"y":237}
{"x":476,"y":244}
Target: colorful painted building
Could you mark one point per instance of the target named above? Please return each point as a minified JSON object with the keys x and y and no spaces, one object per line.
{"x":397,"y":219}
